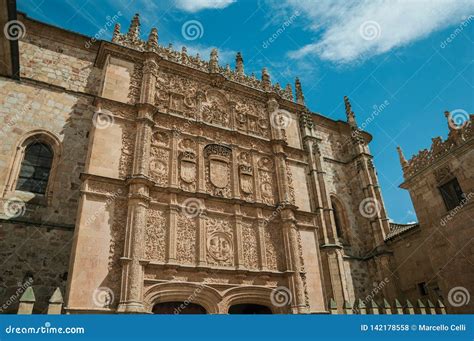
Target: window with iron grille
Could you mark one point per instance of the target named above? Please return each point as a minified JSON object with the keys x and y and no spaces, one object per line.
{"x":452,"y":194}
{"x":35,"y":168}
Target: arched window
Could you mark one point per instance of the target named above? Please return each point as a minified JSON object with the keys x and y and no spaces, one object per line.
{"x":340,"y":221}
{"x":35,"y":168}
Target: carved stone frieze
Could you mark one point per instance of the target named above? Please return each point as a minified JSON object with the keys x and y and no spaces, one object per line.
{"x":274,"y":247}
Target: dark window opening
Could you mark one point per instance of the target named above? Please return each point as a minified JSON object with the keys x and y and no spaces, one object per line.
{"x":452,"y":194}
{"x":178,"y":308}
{"x":249,"y":309}
{"x":35,"y":168}
{"x":422,"y":289}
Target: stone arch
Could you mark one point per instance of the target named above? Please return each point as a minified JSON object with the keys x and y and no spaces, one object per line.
{"x":37,"y":135}
{"x":341,"y":220}
{"x":200,"y":294}
{"x":251,"y":295}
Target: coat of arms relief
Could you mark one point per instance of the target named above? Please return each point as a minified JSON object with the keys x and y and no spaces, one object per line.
{"x":218,"y":169}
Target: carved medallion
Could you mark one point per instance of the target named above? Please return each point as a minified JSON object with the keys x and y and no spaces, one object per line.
{"x":219,"y":246}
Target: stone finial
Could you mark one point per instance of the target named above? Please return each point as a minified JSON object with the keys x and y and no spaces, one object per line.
{"x":403,"y":161}
{"x":214,"y":61}
{"x":116,"y":33}
{"x":267,"y":82}
{"x":134,"y":29}
{"x":299,"y":92}
{"x":349,"y":113}
{"x":239,"y":64}
{"x":451,"y":124}
{"x":289,"y":91}
{"x":152,"y":43}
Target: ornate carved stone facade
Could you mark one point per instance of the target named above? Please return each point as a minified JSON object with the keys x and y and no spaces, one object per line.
{"x":186,"y":180}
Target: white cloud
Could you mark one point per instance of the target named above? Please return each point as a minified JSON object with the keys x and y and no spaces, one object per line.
{"x":198,"y":5}
{"x":352,"y":31}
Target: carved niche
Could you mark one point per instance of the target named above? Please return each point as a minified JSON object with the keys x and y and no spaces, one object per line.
{"x":159,"y":157}
{"x":266,"y":180}
{"x":246,"y":175}
{"x":218,"y":169}
{"x":187,"y":164}
{"x":220,"y":245}
{"x":215,"y":109}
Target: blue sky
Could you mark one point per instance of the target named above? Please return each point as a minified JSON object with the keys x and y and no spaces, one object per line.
{"x":375,"y":52}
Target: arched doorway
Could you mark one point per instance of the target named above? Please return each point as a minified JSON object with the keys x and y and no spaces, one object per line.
{"x":247,"y":309}
{"x":178,"y":308}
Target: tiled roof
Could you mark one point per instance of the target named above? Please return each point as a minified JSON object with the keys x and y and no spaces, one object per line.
{"x":398,"y":229}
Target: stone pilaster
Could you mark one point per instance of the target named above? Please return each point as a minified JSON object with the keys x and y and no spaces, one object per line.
{"x":131,"y":298}
{"x":239,"y":258}
{"x":132,"y":270}
{"x":293,"y":261}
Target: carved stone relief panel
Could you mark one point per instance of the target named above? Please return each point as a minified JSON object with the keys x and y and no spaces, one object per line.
{"x":187,"y":164}
{"x":215,"y":109}
{"x":218,"y":170}
{"x":246,"y":176}
{"x":177,"y":94}
{"x":135,"y":84}
{"x":155,"y":237}
{"x":117,"y":237}
{"x":266,"y":180}
{"x":250,"y":116}
{"x":186,"y":236}
{"x":274,"y":247}
{"x":160,"y":157}
{"x":128,"y":145}
{"x":220,"y":241}
{"x":250,"y":244}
